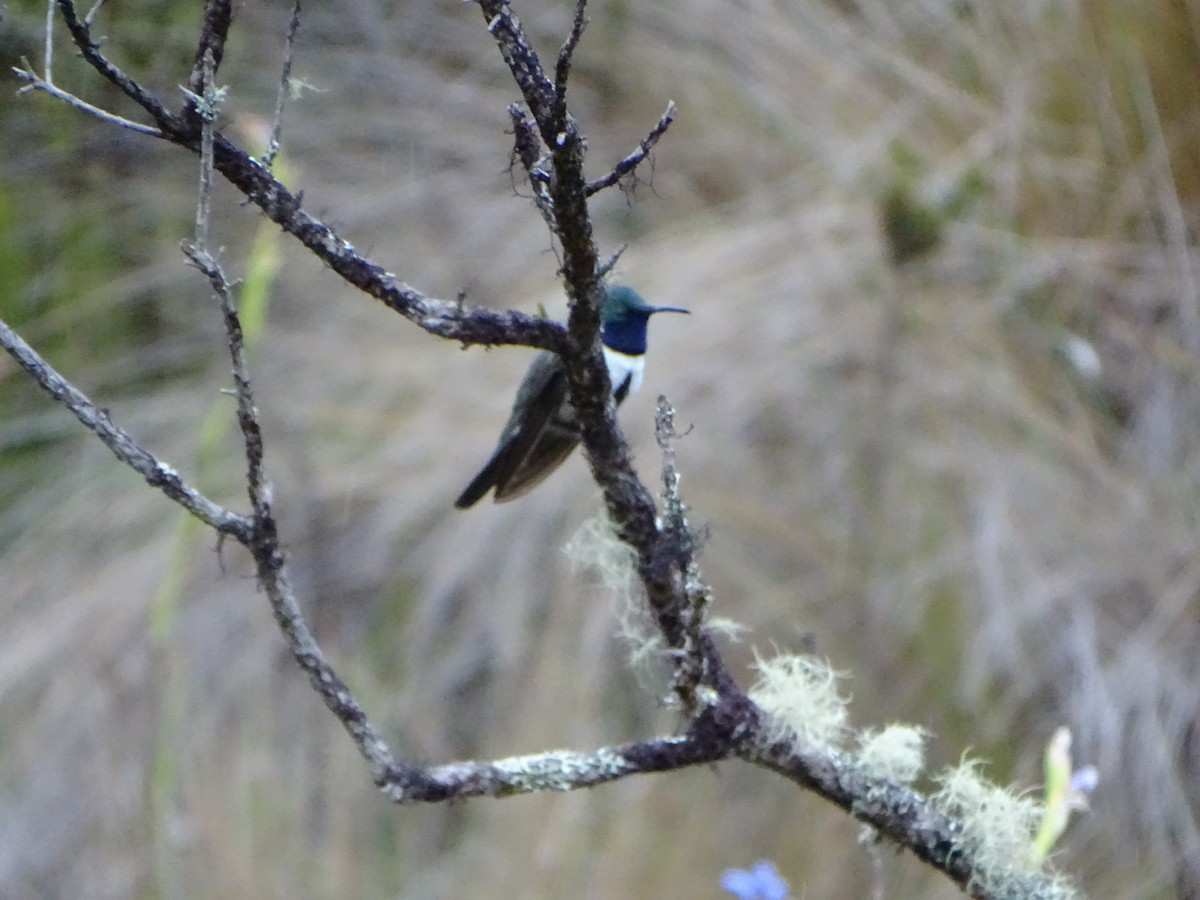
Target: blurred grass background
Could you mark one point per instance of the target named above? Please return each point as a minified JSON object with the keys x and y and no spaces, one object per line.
{"x":945,"y":252}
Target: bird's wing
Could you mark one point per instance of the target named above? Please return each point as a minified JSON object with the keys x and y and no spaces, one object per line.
{"x":539,"y":398}
{"x":543,"y":439}
{"x":546,"y":455}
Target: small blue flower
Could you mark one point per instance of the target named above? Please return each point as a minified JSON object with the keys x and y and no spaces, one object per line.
{"x":760,"y":883}
{"x":1083,"y":782}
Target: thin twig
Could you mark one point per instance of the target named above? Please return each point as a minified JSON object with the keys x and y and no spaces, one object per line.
{"x":690,"y":662}
{"x":285,"y":87}
{"x":528,"y":149}
{"x":204,"y":104}
{"x":82,"y":36}
{"x":263,"y":540}
{"x":210,"y":49}
{"x":263,"y":537}
{"x":34,"y":82}
{"x":634,"y":159}
{"x":93,"y":12}
{"x":157,"y":474}
{"x":609,"y":264}
{"x":48,"y":51}
{"x":562,"y":68}
{"x":264,"y":545}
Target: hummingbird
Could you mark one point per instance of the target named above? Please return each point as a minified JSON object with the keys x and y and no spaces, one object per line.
{"x":543,"y":429}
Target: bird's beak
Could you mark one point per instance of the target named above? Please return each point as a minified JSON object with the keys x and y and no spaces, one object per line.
{"x":678,"y":309}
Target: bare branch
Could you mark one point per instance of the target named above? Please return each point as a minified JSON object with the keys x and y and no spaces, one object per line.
{"x":247,"y":414}
{"x":34,"y":83}
{"x":440,"y":317}
{"x":157,"y":474}
{"x":81,"y":34}
{"x":210,"y":50}
{"x":896,"y":811}
{"x":285,"y":87}
{"x":523,"y":63}
{"x":48,"y":51}
{"x":528,"y":149}
{"x":562,"y":68}
{"x":93,"y":12}
{"x":629,"y":505}
{"x":634,"y":159}
{"x":262,"y":539}
{"x":198,"y":253}
{"x":205,"y":104}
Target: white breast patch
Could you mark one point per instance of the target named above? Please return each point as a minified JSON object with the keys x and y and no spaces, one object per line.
{"x":622,"y":365}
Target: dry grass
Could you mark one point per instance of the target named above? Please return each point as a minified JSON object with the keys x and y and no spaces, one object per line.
{"x":900,"y":465}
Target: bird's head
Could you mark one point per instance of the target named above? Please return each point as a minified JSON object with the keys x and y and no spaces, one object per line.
{"x":623,"y":319}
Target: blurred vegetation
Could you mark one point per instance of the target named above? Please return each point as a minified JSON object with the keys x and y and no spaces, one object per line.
{"x":970,"y":479}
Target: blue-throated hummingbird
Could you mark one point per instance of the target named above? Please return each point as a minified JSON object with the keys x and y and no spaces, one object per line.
{"x":542,"y":430}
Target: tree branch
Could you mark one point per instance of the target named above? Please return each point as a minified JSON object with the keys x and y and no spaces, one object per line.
{"x":262,"y":540}
{"x":440,"y":317}
{"x":285,"y":87}
{"x":528,"y":149}
{"x":523,"y":63}
{"x":35,"y":83}
{"x":555,"y":770}
{"x":634,"y":159}
{"x":562,"y":69}
{"x":81,"y":35}
{"x":97,"y":420}
{"x":210,"y":50}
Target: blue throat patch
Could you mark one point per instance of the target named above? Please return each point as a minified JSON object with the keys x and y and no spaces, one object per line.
{"x":626,"y":335}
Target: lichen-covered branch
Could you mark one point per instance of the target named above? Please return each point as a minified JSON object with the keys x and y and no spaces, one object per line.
{"x":554,"y":770}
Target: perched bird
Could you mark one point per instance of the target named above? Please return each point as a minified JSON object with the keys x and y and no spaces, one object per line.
{"x":542,"y":430}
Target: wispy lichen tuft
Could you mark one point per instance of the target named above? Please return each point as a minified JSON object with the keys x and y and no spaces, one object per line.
{"x":800,"y":693}
{"x":998,"y":829}
{"x":595,"y":546}
{"x":896,"y":753}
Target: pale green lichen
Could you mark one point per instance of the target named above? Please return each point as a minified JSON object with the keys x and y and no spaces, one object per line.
{"x":731,"y":629}
{"x":595,"y":546}
{"x":560,"y":770}
{"x":998,"y":828}
{"x":800,"y":694}
{"x":896,"y":753}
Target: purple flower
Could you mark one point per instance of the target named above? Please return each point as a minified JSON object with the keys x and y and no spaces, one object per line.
{"x":760,"y":883}
{"x":1083,"y":782}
